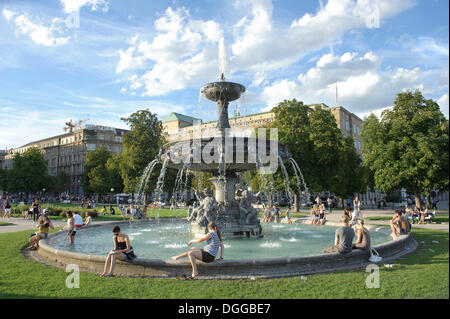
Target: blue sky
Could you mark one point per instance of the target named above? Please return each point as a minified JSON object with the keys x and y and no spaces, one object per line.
{"x":104,"y":59}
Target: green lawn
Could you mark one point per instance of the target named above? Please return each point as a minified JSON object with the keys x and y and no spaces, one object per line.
{"x":423,"y":274}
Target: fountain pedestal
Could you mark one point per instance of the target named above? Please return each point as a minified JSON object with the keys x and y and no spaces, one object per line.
{"x":224,"y":188}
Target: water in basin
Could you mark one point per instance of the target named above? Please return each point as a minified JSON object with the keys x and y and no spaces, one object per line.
{"x":152,"y":240}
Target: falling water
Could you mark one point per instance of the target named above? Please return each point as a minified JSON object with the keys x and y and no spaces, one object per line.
{"x":178,"y":188}
{"x":267,"y":186}
{"x":305,"y":194}
{"x":160,"y":183}
{"x":243,"y":106}
{"x":144,"y":179}
{"x":199,"y":180}
{"x":286,"y":180}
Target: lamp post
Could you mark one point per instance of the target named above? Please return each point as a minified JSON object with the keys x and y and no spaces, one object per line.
{"x":112,"y":192}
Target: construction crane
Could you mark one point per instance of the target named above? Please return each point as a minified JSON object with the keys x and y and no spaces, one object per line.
{"x":70,"y":126}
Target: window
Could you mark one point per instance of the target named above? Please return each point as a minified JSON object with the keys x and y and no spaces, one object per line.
{"x":117,"y":149}
{"x":101,"y":137}
{"x":118,"y":139}
{"x":90,"y":147}
{"x":109,"y":147}
{"x":347,"y":126}
{"x":109,"y":137}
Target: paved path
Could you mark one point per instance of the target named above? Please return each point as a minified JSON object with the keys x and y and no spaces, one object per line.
{"x":19,"y":224}
{"x":336,"y":215}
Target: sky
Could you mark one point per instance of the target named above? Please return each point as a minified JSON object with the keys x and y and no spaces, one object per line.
{"x":102,"y":60}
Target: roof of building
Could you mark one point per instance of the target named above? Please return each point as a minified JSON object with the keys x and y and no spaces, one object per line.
{"x":179,"y":117}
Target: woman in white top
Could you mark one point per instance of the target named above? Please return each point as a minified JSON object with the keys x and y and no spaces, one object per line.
{"x":207,"y":254}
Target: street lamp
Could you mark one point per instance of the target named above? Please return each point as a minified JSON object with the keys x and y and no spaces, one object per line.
{"x":112,"y":191}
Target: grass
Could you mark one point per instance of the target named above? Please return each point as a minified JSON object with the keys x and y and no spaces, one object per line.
{"x":422,"y":274}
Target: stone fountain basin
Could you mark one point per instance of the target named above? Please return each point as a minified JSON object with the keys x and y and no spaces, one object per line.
{"x":222,"y":91}
{"x":237,"y":151}
{"x":228,"y":268}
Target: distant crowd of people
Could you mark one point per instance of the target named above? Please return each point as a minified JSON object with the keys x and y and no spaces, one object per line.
{"x":273,"y":214}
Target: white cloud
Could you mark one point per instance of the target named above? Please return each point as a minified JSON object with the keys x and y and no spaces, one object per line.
{"x":8,"y":14}
{"x":261,"y":45}
{"x":70,"y":6}
{"x":40,"y":34}
{"x":183,"y":52}
{"x":443,"y":103}
{"x":361,"y":83}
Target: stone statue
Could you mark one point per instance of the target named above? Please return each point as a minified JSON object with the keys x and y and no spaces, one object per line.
{"x":249,"y":214}
{"x":207,"y":210}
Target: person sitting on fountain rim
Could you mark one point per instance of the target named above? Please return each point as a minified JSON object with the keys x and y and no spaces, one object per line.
{"x":343,"y":238}
{"x":208,"y":254}
{"x":399,"y":225}
{"x":363,"y":240}
{"x":122,"y":251}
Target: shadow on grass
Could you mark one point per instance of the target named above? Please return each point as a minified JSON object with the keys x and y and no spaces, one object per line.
{"x":423,"y":255}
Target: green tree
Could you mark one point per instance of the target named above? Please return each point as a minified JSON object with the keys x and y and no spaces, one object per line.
{"x":59,"y":183}
{"x":3,"y":179}
{"x":408,"y":147}
{"x":101,"y":172}
{"x":328,"y":143}
{"x":29,"y":172}
{"x":315,"y":142}
{"x":141,"y":145}
{"x":349,"y":178}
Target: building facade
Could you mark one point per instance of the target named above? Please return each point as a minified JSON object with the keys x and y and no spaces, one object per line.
{"x":67,"y":152}
{"x":178,"y":126}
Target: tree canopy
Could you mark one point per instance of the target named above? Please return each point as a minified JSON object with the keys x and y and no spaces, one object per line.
{"x":29,"y":172}
{"x":141,"y":145}
{"x":408,"y":147}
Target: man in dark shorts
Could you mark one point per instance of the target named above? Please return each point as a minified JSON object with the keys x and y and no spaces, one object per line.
{"x":344,"y":239}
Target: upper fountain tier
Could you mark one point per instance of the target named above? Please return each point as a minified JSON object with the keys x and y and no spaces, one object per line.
{"x":222,"y":92}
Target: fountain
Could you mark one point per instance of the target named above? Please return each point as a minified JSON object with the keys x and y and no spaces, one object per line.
{"x":228,"y":207}
{"x":291,"y":249}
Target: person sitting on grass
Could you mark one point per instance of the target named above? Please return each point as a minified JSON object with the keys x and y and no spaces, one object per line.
{"x":208,"y":254}
{"x":343,"y":239}
{"x":111,"y":210}
{"x":43,"y":227}
{"x":363,"y":239}
{"x":122,"y":251}
{"x":399,"y":225}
